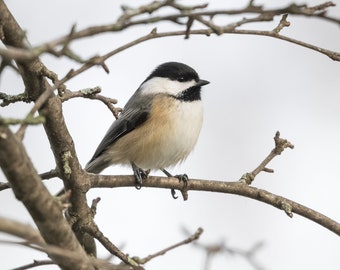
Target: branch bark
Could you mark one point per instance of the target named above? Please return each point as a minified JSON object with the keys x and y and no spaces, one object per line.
{"x":129,"y":18}
{"x":45,"y":211}
{"x":18,"y":168}
{"x":236,"y":188}
{"x":21,"y":174}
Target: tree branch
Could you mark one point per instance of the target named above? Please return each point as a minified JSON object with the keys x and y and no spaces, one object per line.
{"x":280,"y":146}
{"x":35,"y":263}
{"x":24,"y":180}
{"x":20,"y":230}
{"x":30,"y":120}
{"x":91,"y":93}
{"x":94,"y":231}
{"x":29,"y":189}
{"x":223,"y":248}
{"x":127,"y":20}
{"x":236,"y":188}
{"x":189,"y":240}
{"x":35,"y":241}
{"x":22,"y":175}
{"x":8,"y":99}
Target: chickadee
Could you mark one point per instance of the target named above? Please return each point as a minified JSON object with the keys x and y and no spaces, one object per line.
{"x":159,"y":125}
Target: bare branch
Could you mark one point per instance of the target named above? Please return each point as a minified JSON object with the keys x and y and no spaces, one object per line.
{"x":94,"y":231}
{"x":283,"y":23}
{"x":43,"y":176}
{"x":73,"y":257}
{"x":222,"y":247}
{"x":29,"y":120}
{"x":280,"y":146}
{"x":94,"y":206}
{"x":7,"y":62}
{"x":128,"y":19}
{"x":27,"y":186}
{"x":189,"y":240}
{"x":312,"y":10}
{"x":8,"y":99}
{"x":61,"y":244}
{"x":237,"y":188}
{"x":4,"y":185}
{"x":91,"y":93}
{"x":35,"y":263}
{"x":50,"y":174}
{"x":23,"y":231}
{"x":39,"y":102}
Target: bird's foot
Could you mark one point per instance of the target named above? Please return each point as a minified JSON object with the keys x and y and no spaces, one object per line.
{"x":182,"y":178}
{"x":139,"y":174}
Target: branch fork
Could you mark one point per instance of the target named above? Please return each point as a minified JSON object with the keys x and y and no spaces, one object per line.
{"x":280,"y":146}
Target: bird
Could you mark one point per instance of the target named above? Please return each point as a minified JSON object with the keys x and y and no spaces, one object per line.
{"x":158,"y":127}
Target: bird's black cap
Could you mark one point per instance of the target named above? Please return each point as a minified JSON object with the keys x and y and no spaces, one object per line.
{"x":174,"y":71}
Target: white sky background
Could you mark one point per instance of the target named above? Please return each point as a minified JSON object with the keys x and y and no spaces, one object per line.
{"x":258,"y":85}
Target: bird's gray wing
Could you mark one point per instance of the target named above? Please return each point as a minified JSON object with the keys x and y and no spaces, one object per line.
{"x":119,"y":128}
{"x":132,"y":116}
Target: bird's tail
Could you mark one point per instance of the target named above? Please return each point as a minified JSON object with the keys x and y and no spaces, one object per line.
{"x":97,"y":165}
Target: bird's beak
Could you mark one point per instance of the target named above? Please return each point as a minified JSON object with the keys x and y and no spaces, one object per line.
{"x":202,"y":82}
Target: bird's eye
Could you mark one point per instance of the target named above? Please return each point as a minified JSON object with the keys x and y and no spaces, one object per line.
{"x":181,"y":79}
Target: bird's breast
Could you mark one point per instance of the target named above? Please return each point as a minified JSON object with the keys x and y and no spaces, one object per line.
{"x":167,"y":136}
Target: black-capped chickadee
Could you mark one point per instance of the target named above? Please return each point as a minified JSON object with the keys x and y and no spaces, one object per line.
{"x":158,"y":127}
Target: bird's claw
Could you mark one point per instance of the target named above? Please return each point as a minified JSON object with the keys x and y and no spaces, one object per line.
{"x":173,"y":194}
{"x":181,"y":178}
{"x":140,"y":175}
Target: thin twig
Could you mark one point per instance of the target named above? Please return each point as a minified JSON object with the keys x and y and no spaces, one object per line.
{"x":21,"y":230}
{"x":126,"y":21}
{"x":153,"y":35}
{"x":223,"y":248}
{"x":35,"y":263}
{"x":94,"y":231}
{"x":8,"y":99}
{"x":50,"y":174}
{"x":94,"y":206}
{"x":29,"y":120}
{"x":44,"y":176}
{"x":72,"y":256}
{"x":190,"y":239}
{"x":283,"y":23}
{"x":4,"y":185}
{"x":91,"y":93}
{"x":280,"y":146}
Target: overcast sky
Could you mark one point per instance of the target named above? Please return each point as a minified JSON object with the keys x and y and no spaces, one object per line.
{"x":258,"y":85}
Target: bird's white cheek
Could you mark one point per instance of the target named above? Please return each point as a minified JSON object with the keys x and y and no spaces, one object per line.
{"x":160,"y":85}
